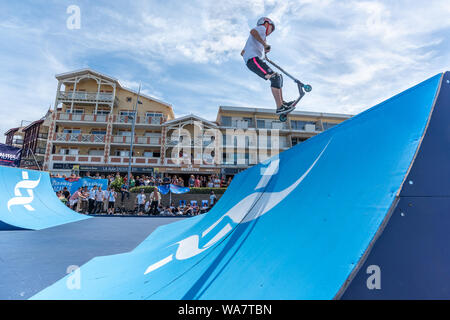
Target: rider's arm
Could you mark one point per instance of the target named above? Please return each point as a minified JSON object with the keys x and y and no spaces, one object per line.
{"x":258,"y":38}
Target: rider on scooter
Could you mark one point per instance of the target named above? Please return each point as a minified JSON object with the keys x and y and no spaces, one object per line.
{"x":252,"y":54}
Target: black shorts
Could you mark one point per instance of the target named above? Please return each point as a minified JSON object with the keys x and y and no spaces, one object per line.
{"x":111,"y":204}
{"x":259,"y":67}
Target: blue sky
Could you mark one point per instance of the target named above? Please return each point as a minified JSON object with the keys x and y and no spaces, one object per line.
{"x":354,"y":53}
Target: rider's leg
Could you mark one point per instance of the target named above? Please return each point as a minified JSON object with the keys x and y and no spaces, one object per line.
{"x":276,"y":84}
{"x":277,"y":96}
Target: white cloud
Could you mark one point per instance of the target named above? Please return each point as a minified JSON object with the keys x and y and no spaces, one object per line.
{"x":354,"y":53}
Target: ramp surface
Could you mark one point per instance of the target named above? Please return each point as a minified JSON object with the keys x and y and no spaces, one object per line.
{"x":299,"y":226}
{"x":33,"y":260}
{"x":29,"y":202}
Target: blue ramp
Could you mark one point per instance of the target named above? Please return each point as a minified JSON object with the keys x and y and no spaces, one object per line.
{"x":298,"y":226}
{"x":27,"y":201}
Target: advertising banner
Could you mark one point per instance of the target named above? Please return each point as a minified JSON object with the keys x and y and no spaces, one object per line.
{"x":73,"y":184}
{"x":10,"y":156}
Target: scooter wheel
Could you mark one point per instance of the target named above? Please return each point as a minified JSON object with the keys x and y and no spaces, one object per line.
{"x":307,"y":87}
{"x":283,"y":117}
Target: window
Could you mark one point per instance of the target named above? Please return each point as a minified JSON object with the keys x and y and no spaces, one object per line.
{"x":98,"y":132}
{"x":102,"y":112}
{"x":125,"y":133}
{"x":297,"y":141}
{"x":226,"y":121}
{"x":153,"y":114}
{"x":68,"y":151}
{"x":95,"y":152}
{"x":328,"y":125}
{"x":261,"y":124}
{"x":75,"y":111}
{"x":122,"y":153}
{"x":300,"y":125}
{"x":73,"y":131}
{"x":250,"y":121}
{"x":126,"y":113}
{"x":73,"y":151}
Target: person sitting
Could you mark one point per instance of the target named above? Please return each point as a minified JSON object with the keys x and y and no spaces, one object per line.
{"x":188,"y":211}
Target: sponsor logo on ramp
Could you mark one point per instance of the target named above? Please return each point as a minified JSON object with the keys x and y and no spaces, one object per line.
{"x":21,"y":199}
{"x":250,"y":208}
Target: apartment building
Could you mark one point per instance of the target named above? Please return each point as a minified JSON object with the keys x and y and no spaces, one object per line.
{"x":14,"y":137}
{"x":35,"y":142}
{"x":91,"y":124}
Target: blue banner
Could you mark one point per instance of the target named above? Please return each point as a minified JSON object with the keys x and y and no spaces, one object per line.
{"x":10,"y":156}
{"x":73,"y":184}
{"x":164,"y":189}
{"x":177,"y":189}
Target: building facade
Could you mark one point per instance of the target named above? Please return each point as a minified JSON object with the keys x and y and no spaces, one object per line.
{"x":35,"y":142}
{"x":90,"y":130}
{"x":14,"y":137}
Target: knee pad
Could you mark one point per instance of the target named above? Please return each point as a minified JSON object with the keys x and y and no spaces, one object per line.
{"x":276,"y":81}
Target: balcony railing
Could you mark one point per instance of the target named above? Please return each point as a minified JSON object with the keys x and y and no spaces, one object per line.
{"x":137,"y":140}
{"x":139,"y":120}
{"x":88,"y":117}
{"x":112,"y":160}
{"x":134,"y":160}
{"x":77,"y":158}
{"x":77,"y":137}
{"x":81,"y":96}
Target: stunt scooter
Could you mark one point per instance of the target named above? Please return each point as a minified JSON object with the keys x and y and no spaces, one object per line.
{"x":301,"y":88}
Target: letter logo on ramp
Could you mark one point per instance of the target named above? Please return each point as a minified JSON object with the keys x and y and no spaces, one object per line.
{"x":21,"y":199}
{"x":250,"y":208}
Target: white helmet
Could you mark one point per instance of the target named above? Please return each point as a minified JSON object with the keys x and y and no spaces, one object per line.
{"x":263,"y":20}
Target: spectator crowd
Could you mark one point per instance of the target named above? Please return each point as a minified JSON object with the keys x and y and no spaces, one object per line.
{"x":99,"y":201}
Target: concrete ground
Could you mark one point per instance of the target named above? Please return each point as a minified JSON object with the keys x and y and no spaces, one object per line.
{"x":33,"y":260}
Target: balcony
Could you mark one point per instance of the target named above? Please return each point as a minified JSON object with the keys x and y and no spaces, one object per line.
{"x":82,"y":117}
{"x":153,"y":141}
{"x":100,"y":160}
{"x":77,"y":158}
{"x":86,"y":97}
{"x":140,"y":120}
{"x":80,"y":138}
{"x":116,"y":160}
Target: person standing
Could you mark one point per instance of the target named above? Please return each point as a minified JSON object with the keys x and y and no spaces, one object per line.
{"x":91,"y":199}
{"x":140,"y":201}
{"x":99,"y":195}
{"x":73,"y":200}
{"x":83,"y":200}
{"x":111,"y":200}
{"x":212,"y":199}
{"x":155,"y":199}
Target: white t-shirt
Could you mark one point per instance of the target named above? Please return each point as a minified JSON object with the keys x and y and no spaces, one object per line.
{"x":112,"y":196}
{"x":252,"y":47}
{"x":99,"y":195}
{"x":141,"y":198}
{"x":92,"y":194}
{"x":212,"y":199}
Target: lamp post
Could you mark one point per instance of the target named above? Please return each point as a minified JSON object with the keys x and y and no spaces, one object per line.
{"x":132,"y":136}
